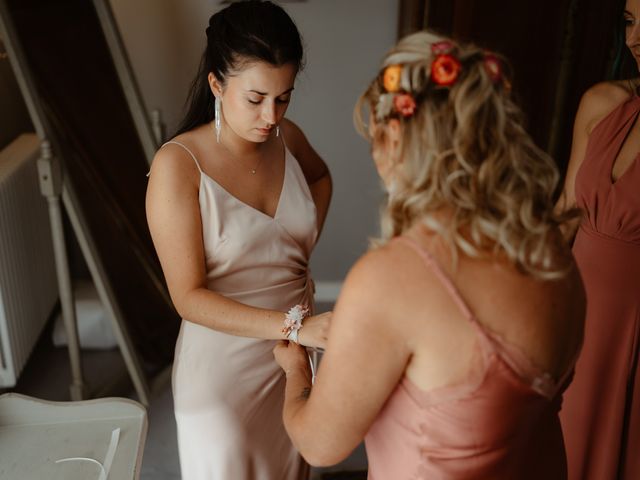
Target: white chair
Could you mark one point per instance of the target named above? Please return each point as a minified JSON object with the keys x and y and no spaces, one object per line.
{"x":93,"y":439}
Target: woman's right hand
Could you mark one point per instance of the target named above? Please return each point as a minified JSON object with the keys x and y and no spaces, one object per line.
{"x":315,"y":330}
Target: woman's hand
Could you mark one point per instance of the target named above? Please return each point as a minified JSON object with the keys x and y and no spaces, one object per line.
{"x":291,"y":356}
{"x":315,"y":330}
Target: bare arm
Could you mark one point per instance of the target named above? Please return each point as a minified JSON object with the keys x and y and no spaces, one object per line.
{"x":365,"y":358}
{"x":596,"y":103}
{"x":315,"y":170}
{"x":173,"y":215}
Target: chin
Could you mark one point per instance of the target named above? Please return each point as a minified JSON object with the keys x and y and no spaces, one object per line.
{"x":254,"y":137}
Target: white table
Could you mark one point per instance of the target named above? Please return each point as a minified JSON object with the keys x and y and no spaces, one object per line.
{"x":84,"y":440}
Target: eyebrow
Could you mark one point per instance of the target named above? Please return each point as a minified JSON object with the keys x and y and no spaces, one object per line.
{"x":265,"y":93}
{"x":627,"y":12}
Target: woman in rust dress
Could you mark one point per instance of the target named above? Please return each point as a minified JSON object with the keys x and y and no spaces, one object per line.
{"x":601,"y":411}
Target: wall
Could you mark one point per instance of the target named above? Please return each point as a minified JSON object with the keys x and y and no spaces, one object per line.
{"x":344,"y":40}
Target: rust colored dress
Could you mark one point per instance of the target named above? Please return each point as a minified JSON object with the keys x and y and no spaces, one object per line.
{"x":601,"y":412}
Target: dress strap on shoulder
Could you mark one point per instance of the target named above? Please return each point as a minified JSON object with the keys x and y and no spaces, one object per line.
{"x":188,"y":151}
{"x":284,"y":143}
{"x":435,"y":267}
{"x":517,"y":360}
{"x":432,"y":263}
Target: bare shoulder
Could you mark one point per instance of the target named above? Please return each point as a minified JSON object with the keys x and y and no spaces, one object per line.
{"x":174,"y":183}
{"x":376,"y":269}
{"x":386,"y":278}
{"x":600,"y":100}
{"x":172,"y":162}
{"x":393,"y":292}
{"x":372,"y":294}
{"x":293,"y":135}
{"x":311,"y":163}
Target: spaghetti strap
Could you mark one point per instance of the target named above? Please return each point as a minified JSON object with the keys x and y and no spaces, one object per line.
{"x":517,"y":360}
{"x":188,"y":151}
{"x":486,"y":340}
{"x":434,"y":266}
{"x":284,"y":146}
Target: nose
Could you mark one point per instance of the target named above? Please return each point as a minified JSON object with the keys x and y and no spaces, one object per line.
{"x":269,"y":114}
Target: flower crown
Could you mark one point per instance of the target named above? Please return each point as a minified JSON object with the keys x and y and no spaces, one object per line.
{"x":445,"y":71}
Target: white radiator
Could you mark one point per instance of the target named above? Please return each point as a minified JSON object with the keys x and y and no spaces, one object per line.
{"x":28,"y":286}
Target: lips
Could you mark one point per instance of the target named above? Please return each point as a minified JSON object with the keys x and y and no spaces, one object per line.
{"x":264,"y":131}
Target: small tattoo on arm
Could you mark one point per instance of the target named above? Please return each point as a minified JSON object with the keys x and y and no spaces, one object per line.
{"x":306,"y":392}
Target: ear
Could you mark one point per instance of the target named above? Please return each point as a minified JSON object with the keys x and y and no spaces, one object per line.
{"x":394,"y":137}
{"x":214,"y":85}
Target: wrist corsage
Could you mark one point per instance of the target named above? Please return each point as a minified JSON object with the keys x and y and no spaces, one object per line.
{"x":293,"y":321}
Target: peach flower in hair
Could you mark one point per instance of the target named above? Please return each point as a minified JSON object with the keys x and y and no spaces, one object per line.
{"x":404,"y":104}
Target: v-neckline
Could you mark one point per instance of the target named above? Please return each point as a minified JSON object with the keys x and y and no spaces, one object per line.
{"x":635,"y":116}
{"x":251,"y":207}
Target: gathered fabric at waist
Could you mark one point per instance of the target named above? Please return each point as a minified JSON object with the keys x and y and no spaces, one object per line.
{"x":605,"y":240}
{"x":608,"y":266}
{"x":604,"y":251}
{"x":282,"y":291}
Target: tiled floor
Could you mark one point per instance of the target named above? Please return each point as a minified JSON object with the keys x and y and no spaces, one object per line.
{"x":47,"y":376}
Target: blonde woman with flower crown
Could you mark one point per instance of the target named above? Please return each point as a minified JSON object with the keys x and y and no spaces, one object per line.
{"x":452,"y":342}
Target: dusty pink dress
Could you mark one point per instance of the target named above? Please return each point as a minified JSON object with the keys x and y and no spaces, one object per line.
{"x":601,"y":413}
{"x":228,"y":391}
{"x":502,"y":423}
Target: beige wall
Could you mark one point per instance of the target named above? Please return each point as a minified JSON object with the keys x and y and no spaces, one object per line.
{"x":344,"y":40}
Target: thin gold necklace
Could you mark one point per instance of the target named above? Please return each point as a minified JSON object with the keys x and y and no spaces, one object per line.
{"x":254,"y":169}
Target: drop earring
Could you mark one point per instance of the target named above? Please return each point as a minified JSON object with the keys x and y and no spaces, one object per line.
{"x":217,"y":113}
{"x":277,"y":130}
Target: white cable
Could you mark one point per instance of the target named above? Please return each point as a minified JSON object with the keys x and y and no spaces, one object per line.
{"x":313,"y":369}
{"x":111,"y":451}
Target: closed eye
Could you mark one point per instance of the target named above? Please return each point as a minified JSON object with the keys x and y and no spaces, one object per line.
{"x":278,"y":100}
{"x":628,"y":19}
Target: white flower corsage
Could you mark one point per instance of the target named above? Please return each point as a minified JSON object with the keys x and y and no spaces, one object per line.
{"x":293,"y":321}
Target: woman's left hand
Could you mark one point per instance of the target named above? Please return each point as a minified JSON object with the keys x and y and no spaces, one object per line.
{"x":290,"y":356}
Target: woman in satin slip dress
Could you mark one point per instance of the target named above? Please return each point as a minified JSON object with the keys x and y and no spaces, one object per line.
{"x":452,"y":342}
{"x":601,"y":413}
{"x":235,"y":204}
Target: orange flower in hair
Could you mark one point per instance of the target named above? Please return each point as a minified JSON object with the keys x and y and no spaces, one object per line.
{"x":391,"y":78}
{"x":404,"y":104}
{"x":445,"y":70}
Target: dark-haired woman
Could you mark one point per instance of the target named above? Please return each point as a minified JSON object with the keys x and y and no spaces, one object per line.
{"x":235,"y":203}
{"x":601,"y":412}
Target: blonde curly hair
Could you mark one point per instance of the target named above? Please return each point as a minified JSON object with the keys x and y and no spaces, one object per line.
{"x":465,"y":150}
